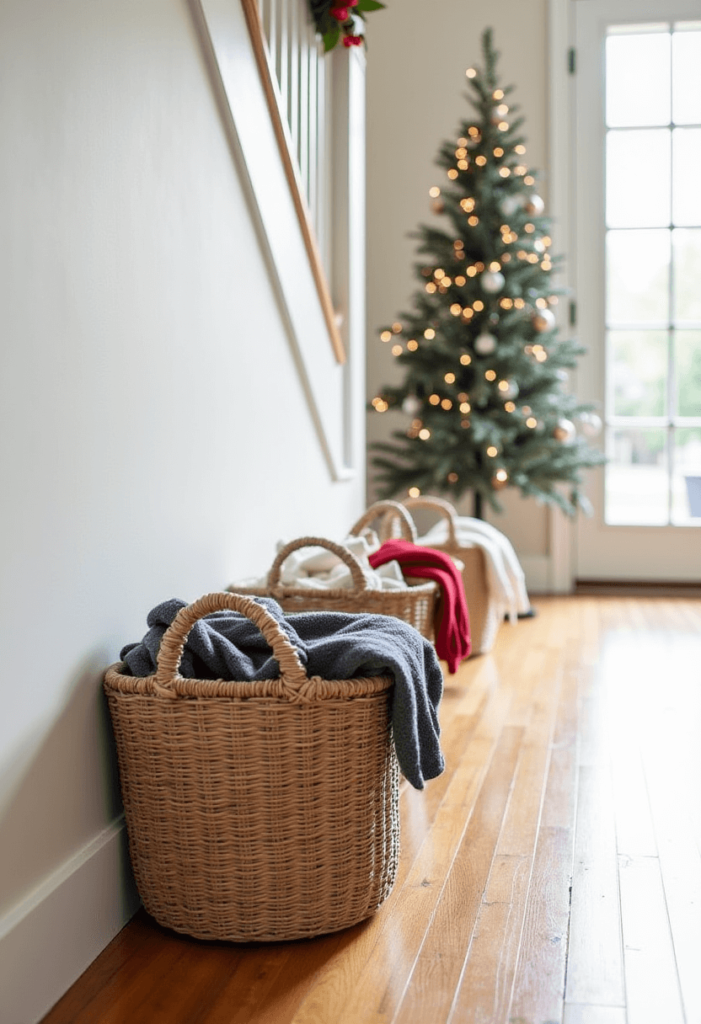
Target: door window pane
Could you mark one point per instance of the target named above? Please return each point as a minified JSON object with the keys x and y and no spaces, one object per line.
{"x":687,"y":274}
{"x":686,"y":479}
{"x":638,"y":79}
{"x":686,"y":77}
{"x":686,"y":163}
{"x":653,"y":274}
{"x":637,"y":276}
{"x":637,"y":486}
{"x":687,"y":358}
{"x":638,"y":372}
{"x":638,"y":178}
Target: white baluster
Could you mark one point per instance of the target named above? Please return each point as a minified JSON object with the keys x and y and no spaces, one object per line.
{"x":282,"y":65}
{"x":303,"y":137}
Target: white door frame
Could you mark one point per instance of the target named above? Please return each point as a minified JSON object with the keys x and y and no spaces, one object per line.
{"x":605,"y":551}
{"x":560,"y":199}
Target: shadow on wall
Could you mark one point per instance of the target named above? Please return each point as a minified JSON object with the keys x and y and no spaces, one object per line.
{"x":60,"y":789}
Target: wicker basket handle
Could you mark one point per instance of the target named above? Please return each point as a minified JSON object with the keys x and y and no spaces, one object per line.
{"x":381,"y":509}
{"x":358,"y":576}
{"x":173,"y":641}
{"x":441,"y":506}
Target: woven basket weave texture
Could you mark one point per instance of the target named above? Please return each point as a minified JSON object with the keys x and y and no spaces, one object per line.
{"x":256,"y":811}
{"x":415,"y":605}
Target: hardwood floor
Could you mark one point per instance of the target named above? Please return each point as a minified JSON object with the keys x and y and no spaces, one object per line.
{"x":551,"y":874}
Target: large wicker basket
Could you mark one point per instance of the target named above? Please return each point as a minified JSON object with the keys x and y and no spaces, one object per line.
{"x":484,"y":614}
{"x":256,"y":811}
{"x":415,"y":605}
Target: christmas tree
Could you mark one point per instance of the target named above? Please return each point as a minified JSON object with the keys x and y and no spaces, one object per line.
{"x":485,"y":382}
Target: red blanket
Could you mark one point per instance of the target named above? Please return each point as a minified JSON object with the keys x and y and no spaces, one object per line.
{"x":453,"y":627}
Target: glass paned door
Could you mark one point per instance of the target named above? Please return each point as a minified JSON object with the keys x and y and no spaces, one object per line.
{"x":638,"y":257}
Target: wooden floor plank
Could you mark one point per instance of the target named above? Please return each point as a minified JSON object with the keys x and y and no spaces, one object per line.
{"x":485,"y":987}
{"x":576,"y":1013}
{"x":498,"y":932}
{"x":374,"y":1000}
{"x":449,"y":933}
{"x":128,"y":953}
{"x":346,"y":983}
{"x":674,"y":786}
{"x":272,"y":982}
{"x":635,"y":835}
{"x":539,"y":986}
{"x":180,"y":984}
{"x":559,"y":801}
{"x":595,"y":964}
{"x":652,"y":984}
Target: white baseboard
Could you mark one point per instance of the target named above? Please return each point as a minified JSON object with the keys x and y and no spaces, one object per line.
{"x":49,"y":938}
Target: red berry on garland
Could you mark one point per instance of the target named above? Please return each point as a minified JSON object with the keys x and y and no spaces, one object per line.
{"x":339,"y":13}
{"x":352,"y":40}
{"x":351,"y":3}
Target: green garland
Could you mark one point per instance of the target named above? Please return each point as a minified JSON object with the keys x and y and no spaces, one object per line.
{"x":340,"y":19}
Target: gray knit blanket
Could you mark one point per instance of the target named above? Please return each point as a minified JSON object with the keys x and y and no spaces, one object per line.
{"x":333,"y":645}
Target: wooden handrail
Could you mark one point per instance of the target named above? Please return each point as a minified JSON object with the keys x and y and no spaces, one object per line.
{"x":255,"y":28}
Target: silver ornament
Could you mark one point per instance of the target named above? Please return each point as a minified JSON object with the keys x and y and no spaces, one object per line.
{"x":565,"y":431}
{"x":492,"y":281}
{"x":543,"y":320}
{"x":411,"y":405}
{"x":485,"y":343}
{"x":510,"y":204}
{"x":590,"y":423}
{"x":534,"y":206}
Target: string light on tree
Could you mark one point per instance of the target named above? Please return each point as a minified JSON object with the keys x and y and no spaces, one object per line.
{"x":471,"y":353}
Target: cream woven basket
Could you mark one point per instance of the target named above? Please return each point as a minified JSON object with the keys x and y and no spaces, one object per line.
{"x":415,"y":605}
{"x":484,"y":616}
{"x":256,"y":811}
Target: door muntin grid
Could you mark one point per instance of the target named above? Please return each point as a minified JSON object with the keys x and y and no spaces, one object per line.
{"x":653,"y":274}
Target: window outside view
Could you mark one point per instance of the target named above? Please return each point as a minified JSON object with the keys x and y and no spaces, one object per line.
{"x":653,"y":274}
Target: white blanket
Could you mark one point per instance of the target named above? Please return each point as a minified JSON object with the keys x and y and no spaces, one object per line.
{"x":317,"y":568}
{"x":505,"y":577}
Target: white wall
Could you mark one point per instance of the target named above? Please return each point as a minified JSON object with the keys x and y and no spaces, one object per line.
{"x":419,"y":51}
{"x":155,"y":436}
